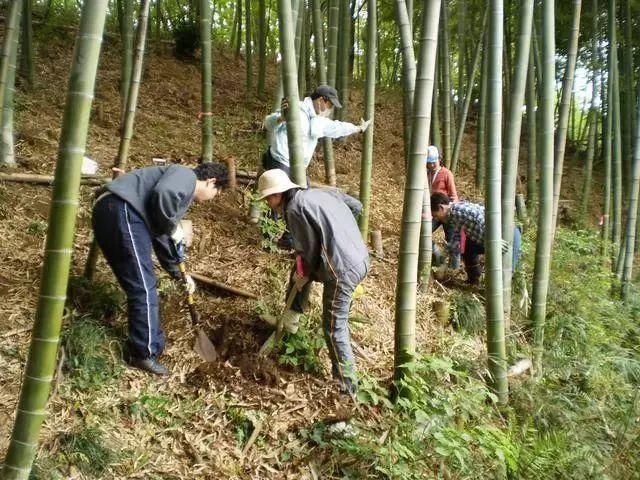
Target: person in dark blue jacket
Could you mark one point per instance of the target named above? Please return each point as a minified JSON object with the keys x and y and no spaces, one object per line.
{"x":139,"y":213}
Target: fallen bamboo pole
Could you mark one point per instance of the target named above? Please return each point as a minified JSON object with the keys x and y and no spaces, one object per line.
{"x":221,"y":286}
{"x":38,"y":179}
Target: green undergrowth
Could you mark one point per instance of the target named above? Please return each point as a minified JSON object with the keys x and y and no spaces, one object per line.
{"x":580,"y":420}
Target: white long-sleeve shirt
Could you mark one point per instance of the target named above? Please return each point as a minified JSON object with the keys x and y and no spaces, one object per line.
{"x":313,"y":128}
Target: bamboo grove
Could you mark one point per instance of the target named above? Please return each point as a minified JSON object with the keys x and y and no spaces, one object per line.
{"x":479,"y":71}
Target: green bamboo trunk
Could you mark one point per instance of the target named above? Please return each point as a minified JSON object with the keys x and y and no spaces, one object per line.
{"x":26,"y":55}
{"x":496,"y":350}
{"x":445,"y":58}
{"x":564,"y":109}
{"x":248,"y":49}
{"x":630,"y":231}
{"x":532,"y":171}
{"x":158,"y":24}
{"x":41,"y":362}
{"x":290,"y":85}
{"x":262,"y":47}
{"x":344,"y":50}
{"x":607,"y":153}
{"x":593,"y":120}
{"x":369,"y":112}
{"x":627,"y":93}
{"x":436,"y":132}
{"x":7,"y":82}
{"x":127,"y":54}
{"x":461,"y":18}
{"x":462,"y":118}
{"x":134,"y":88}
{"x":481,"y":144}
{"x":511,"y":150}
{"x":616,"y":187}
{"x":239,"y":7}
{"x":327,"y":144}
{"x":406,"y":288}
{"x":206,"y":118}
{"x":408,"y":71}
{"x":545,"y":210}
{"x":332,"y":41}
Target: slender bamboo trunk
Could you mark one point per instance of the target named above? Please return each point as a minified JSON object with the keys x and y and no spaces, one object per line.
{"x":134,"y":88}
{"x":408,"y":71}
{"x":248,"y":49}
{"x":332,"y":42}
{"x":513,"y":128}
{"x":627,"y":94}
{"x":327,"y":144}
{"x":405,"y":308}
{"x":496,"y":349}
{"x":436,"y":132}
{"x":607,"y":153}
{"x":58,"y":248}
{"x":633,"y":215}
{"x":26,"y":54}
{"x":206,"y":118}
{"x":158,"y":23}
{"x":564,"y":110}
{"x":234,"y":26}
{"x":464,"y":111}
{"x":262,"y":47}
{"x":239,"y":7}
{"x":616,"y":186}
{"x":462,"y":52}
{"x":127,"y":54}
{"x":7,"y":82}
{"x":290,"y":84}
{"x":344,"y":48}
{"x":545,"y":213}
{"x":481,"y":145}
{"x":532,"y":171}
{"x":447,"y":127}
{"x":369,"y":113}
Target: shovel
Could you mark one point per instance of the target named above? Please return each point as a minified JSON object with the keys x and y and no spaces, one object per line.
{"x":203,"y":345}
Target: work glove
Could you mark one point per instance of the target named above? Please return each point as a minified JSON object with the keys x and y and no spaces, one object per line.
{"x":505,"y":246}
{"x":364,"y":124}
{"x":190,"y":284}
{"x":284,"y":106}
{"x":177,"y":237}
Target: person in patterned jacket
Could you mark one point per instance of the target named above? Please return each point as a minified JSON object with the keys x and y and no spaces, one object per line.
{"x":470,"y":217}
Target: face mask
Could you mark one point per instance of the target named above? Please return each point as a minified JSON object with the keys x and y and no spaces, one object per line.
{"x":326,"y":113}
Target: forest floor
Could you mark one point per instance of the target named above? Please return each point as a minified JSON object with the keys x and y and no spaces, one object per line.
{"x":109,"y":421}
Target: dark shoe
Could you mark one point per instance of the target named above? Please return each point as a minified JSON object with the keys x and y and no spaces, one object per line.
{"x":150,"y":365}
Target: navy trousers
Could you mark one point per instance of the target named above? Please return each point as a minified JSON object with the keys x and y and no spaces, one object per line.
{"x":473,"y":250}
{"x":127,"y":244}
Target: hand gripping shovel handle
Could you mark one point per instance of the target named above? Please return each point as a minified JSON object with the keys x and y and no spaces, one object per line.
{"x":190,"y":302}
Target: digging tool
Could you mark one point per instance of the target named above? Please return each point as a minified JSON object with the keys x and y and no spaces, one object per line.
{"x":275,"y":338}
{"x":203,"y":345}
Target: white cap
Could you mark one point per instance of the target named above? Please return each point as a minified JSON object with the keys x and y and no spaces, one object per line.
{"x":274,"y":181}
{"x":433,"y":155}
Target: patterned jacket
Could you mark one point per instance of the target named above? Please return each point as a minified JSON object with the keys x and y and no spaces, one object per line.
{"x":469,"y":216}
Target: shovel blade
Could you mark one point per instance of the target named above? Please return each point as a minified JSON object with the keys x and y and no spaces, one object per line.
{"x":204,"y":347}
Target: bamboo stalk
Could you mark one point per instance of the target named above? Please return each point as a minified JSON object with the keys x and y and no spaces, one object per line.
{"x":38,"y":179}
{"x":222,"y":286}
{"x":206,"y":118}
{"x":408,"y":71}
{"x":7,"y":82}
{"x":58,"y":248}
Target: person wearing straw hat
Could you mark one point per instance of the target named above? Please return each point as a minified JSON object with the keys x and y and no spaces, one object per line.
{"x":330,"y":250}
{"x":441,"y":180}
{"x":140,"y":213}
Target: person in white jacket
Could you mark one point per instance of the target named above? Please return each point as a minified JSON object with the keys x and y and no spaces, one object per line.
{"x":315,"y":118}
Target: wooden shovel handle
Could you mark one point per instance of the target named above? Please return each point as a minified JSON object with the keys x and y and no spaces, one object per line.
{"x":190,"y":302}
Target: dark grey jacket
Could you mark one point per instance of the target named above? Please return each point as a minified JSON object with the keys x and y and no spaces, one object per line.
{"x":161,"y":195}
{"x":324,"y":233}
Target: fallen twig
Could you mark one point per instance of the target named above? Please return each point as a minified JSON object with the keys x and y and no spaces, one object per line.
{"x":17,"y":331}
{"x":222,"y":286}
{"x":48,"y":179}
{"x":252,"y":438}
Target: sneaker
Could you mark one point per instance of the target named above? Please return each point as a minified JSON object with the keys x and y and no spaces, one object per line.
{"x":290,"y":320}
{"x":150,"y":365}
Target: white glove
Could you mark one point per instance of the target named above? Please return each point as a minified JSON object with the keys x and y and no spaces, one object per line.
{"x":178,"y":235}
{"x":364,"y":124}
{"x":190,"y":285}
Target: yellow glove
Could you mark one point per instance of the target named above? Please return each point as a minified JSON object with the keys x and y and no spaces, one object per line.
{"x":358,"y":292}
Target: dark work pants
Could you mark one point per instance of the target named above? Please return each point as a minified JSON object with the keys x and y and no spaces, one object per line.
{"x":336,"y":302}
{"x":127,"y":244}
{"x":449,"y":231}
{"x":473,"y":250}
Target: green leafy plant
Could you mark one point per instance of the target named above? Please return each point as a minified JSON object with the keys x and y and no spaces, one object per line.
{"x":270,"y":228}
{"x":303,"y":348}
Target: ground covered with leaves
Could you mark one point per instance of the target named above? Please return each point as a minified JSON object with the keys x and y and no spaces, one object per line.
{"x":282,"y":417}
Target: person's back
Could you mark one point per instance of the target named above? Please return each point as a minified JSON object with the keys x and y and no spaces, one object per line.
{"x":325,"y":231}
